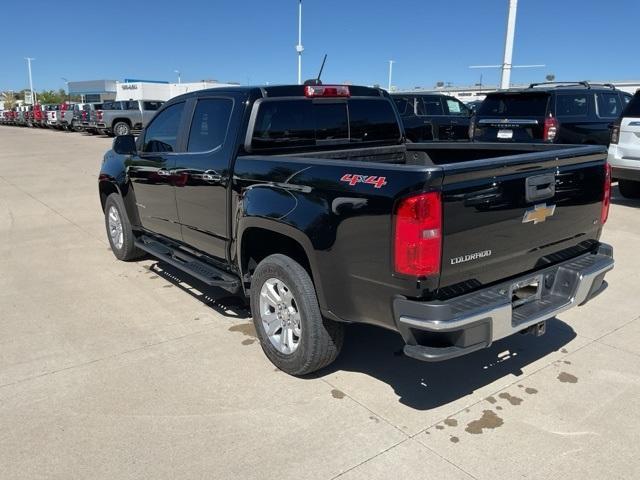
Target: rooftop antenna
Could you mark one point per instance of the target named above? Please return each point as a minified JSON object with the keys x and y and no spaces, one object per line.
{"x":317,"y":81}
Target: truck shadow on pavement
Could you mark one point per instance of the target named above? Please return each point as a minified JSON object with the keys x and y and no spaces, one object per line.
{"x":618,"y":199}
{"x":220,"y":300}
{"x":378,"y":353}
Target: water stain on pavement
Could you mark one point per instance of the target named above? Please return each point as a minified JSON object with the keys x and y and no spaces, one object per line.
{"x":375,"y":419}
{"x":531,"y":391}
{"x":248,"y":341}
{"x":498,"y":407}
{"x":510,"y":398}
{"x":565,"y":377}
{"x":489,"y":420}
{"x":566,"y":362}
{"x":335,"y":393}
{"x":440,"y":427}
{"x":244,"y":328}
{"x":454,"y":439}
{"x":451,"y":422}
{"x":564,"y":350}
{"x":491,"y":399}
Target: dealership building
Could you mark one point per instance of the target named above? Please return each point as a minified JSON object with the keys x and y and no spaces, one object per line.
{"x":133,"y":89}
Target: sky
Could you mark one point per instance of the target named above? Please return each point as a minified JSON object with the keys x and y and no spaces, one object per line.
{"x":253,"y":41}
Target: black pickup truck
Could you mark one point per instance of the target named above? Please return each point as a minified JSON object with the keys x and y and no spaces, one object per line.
{"x":308,"y":201}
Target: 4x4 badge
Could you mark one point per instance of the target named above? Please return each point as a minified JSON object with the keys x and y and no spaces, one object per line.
{"x":539,"y":213}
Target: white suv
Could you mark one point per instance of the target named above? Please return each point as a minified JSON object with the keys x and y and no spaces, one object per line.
{"x":624,"y":150}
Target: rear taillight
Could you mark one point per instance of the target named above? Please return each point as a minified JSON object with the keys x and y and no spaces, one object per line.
{"x":99,"y":115}
{"x":327,"y":91}
{"x":418,"y":235}
{"x":606,"y":196}
{"x":550,"y":129}
{"x":615,"y":133}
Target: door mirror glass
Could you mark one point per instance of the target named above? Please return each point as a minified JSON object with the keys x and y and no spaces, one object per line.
{"x":125,"y":145}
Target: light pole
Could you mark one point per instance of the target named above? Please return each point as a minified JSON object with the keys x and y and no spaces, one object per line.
{"x":68,"y":93}
{"x":179,"y":79}
{"x":299,"y":47}
{"x":505,"y":79}
{"x":507,"y":65}
{"x":29,"y":60}
{"x":391,"y":62}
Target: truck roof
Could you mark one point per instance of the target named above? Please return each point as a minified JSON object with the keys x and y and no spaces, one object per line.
{"x":281,"y":91}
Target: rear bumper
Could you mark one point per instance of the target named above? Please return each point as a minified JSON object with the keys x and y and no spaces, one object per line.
{"x":440,"y":330}
{"x":622,"y":165}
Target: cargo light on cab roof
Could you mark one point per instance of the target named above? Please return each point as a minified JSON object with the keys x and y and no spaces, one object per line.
{"x":326,"y":91}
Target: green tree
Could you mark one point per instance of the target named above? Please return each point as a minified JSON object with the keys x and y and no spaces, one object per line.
{"x":51,"y":96}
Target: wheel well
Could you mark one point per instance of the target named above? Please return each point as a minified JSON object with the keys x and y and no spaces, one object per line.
{"x":259,"y":243}
{"x":125,"y":120}
{"x":106,"y":189}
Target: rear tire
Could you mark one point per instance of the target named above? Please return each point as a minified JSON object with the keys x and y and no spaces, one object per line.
{"x":119,"y":231}
{"x":629,"y":188}
{"x":283,"y":299}
{"x":121,"y":128}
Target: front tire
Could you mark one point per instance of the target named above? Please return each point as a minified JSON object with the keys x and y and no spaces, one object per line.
{"x":629,"y":188}
{"x":287,"y":318}
{"x":119,"y":231}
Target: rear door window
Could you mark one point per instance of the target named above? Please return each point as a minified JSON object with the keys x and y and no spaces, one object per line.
{"x":404,"y":105}
{"x":132,"y":105}
{"x":431,"y":105}
{"x":152,"y":105}
{"x":609,"y":105}
{"x":514,"y":105}
{"x":573,"y":104}
{"x":209,"y":125}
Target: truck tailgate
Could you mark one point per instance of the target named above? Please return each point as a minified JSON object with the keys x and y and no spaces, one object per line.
{"x":506,"y":216}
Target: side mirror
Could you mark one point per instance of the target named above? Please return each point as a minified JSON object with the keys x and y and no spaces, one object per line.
{"x":125,"y":145}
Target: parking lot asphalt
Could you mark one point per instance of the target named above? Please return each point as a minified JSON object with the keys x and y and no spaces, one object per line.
{"x":132,"y":370}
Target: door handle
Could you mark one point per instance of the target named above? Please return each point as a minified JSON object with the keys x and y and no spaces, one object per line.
{"x":163,"y":172}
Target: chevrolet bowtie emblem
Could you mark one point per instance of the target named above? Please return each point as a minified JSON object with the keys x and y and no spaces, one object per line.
{"x":539,"y":213}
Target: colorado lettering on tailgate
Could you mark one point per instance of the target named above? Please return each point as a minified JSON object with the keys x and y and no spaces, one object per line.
{"x":352,"y":179}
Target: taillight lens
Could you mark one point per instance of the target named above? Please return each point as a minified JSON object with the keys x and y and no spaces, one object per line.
{"x":418,"y":235}
{"x":606,"y":197}
{"x":99,"y":114}
{"x":615,"y":133}
{"x":550,"y":129}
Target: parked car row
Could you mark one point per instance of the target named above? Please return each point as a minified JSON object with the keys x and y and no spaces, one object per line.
{"x":578,"y":113}
{"x":108,"y":118}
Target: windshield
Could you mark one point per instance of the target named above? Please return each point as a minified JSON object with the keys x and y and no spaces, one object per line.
{"x":515,"y":105}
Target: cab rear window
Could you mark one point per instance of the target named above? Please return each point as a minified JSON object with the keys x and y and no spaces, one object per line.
{"x":308,"y":123}
{"x":515,"y":105}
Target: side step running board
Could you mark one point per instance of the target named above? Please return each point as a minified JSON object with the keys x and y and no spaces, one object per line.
{"x":204,"y":272}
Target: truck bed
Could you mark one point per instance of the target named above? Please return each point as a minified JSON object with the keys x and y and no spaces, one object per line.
{"x":428,"y":154}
